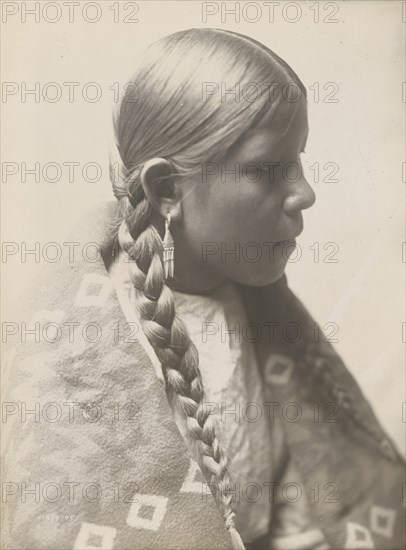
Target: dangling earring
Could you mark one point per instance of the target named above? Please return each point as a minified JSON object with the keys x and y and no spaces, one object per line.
{"x":169,"y":249}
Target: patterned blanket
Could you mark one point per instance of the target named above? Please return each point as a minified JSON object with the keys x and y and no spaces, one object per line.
{"x":93,"y":458}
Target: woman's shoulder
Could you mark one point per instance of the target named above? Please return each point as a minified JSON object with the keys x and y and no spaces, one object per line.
{"x":68,"y":329}
{"x":86,"y":418}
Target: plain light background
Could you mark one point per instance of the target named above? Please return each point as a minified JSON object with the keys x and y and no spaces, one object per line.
{"x":363,"y":133}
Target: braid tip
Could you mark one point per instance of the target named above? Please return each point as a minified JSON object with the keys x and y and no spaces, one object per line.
{"x":236,"y":539}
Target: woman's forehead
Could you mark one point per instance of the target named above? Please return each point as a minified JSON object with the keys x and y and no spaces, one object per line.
{"x":267,"y":138}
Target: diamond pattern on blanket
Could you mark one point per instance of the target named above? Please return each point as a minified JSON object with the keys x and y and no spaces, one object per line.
{"x":92,"y":537}
{"x":278,"y":369}
{"x":194,"y":479}
{"x":147,"y":511}
{"x":359,"y":537}
{"x":382,"y":520}
{"x":94,"y":290}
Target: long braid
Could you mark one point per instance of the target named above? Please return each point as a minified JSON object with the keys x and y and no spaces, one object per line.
{"x":190,"y":132}
{"x":169,"y":338}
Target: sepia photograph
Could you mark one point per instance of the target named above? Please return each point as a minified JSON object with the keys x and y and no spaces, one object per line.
{"x":203,"y":275}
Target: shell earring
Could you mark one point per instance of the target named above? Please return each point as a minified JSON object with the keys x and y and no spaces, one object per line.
{"x":169,"y":249}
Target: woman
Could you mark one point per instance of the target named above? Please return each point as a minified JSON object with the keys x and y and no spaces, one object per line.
{"x":210,"y":193}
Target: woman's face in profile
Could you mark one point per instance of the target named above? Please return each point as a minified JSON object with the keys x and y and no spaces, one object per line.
{"x":240,"y":221}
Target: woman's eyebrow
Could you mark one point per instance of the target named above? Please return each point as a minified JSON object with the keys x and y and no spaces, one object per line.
{"x":262,"y":157}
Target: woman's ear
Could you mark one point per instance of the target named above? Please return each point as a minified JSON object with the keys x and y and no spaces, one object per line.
{"x":158,"y":182}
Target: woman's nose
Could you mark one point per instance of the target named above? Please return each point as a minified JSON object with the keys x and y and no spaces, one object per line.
{"x":299,"y":197}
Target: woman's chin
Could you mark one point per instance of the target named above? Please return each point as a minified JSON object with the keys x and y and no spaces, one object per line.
{"x":263,"y":278}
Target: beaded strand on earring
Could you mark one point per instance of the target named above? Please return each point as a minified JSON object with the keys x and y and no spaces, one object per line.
{"x":169,"y":249}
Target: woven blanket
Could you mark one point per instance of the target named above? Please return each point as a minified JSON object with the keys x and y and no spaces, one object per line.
{"x":93,"y":458}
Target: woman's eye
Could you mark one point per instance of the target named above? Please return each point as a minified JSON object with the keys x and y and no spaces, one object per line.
{"x":270,"y":172}
{"x":254,"y":171}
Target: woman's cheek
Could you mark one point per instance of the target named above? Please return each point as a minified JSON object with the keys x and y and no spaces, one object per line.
{"x":232,"y":228}
{"x":250,"y":262}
